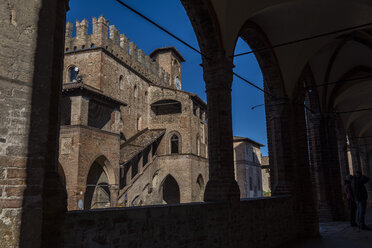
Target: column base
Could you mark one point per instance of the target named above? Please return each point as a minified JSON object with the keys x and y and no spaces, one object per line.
{"x":221,"y":190}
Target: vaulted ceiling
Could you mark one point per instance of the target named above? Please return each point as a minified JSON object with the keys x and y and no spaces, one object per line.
{"x":334,"y":58}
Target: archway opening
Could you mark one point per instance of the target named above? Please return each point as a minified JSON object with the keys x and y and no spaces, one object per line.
{"x":97,"y":194}
{"x":171,"y":191}
{"x":249,"y":123}
{"x":199,"y":194}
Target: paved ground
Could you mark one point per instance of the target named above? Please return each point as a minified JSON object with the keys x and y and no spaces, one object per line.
{"x":341,"y":235}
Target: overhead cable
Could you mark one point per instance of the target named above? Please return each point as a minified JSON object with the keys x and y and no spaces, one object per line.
{"x":184,"y":42}
{"x":305,"y":39}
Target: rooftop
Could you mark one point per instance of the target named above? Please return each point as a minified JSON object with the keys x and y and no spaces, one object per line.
{"x":247,"y":140}
{"x":167,"y":49}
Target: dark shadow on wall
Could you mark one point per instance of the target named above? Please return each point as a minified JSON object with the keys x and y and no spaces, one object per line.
{"x":45,"y":199}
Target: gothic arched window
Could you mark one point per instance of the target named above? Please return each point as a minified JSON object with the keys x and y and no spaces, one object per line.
{"x":174,"y":144}
{"x":121,"y":85}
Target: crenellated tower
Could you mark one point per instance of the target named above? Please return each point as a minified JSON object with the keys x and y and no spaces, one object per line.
{"x":108,"y":37}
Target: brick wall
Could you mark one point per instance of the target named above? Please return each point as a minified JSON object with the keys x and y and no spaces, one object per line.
{"x":188,"y":225}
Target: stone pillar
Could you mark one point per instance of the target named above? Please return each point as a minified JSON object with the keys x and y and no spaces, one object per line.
{"x":221,"y":185}
{"x":281,"y":166}
{"x":364,"y":161}
{"x":289,"y":165}
{"x":326,"y":167}
{"x":29,"y":127}
{"x":79,"y":110}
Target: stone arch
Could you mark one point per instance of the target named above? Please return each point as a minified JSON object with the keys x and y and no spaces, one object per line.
{"x":206,"y":27}
{"x":257,"y":40}
{"x":199,"y":189}
{"x":170,"y":190}
{"x":155,"y":179}
{"x":61,"y":173}
{"x":135,"y":201}
{"x":174,"y":135}
{"x":98,"y":184}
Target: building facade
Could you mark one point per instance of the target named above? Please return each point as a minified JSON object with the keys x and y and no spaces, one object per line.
{"x":247,"y":162}
{"x":129,"y":135}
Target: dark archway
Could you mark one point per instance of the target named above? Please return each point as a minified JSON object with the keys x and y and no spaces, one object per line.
{"x":97,"y":194}
{"x":61,"y":173}
{"x":171,"y":191}
{"x":199,"y":188}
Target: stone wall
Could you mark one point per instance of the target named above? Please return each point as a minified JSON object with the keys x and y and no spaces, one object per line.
{"x":188,"y":225}
{"x":31,"y":53}
{"x":80,"y":146}
{"x":146,"y":189}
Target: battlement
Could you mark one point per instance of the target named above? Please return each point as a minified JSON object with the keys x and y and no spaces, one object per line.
{"x":109,"y":38}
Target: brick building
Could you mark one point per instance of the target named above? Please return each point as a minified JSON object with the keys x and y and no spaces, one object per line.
{"x":305,"y":59}
{"x":247,"y":165}
{"x":266,"y":184}
{"x":129,"y":136}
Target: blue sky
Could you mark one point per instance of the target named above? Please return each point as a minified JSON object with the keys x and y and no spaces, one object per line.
{"x":171,"y":15}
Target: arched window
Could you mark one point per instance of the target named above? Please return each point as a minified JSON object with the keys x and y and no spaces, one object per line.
{"x":139,"y":123}
{"x":174,"y":144}
{"x":198,"y":145}
{"x":178,"y":83}
{"x":121,"y":85}
{"x":250,"y":183}
{"x":135,"y":91}
{"x":73,"y":71}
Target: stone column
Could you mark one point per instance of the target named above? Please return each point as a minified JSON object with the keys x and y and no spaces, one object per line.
{"x":289,"y":165}
{"x":326,"y":167}
{"x":281,"y":166}
{"x":364,"y":161}
{"x":29,"y":112}
{"x":79,"y":110}
{"x":321,"y":176}
{"x":218,"y":78}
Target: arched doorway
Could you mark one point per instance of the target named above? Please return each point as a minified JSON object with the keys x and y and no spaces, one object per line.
{"x":170,"y":190}
{"x":199,"y":194}
{"x":97,"y":193}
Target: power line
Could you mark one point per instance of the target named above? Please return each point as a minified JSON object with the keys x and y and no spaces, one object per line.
{"x":304,"y":39}
{"x":336,"y":82}
{"x":235,"y":74}
{"x":184,"y":42}
{"x":252,"y":84}
{"x":160,"y":27}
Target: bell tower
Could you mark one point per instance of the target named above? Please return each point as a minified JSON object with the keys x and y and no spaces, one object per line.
{"x":170,"y":60}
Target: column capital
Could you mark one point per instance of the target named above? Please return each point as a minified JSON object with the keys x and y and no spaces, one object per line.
{"x":277,"y":106}
{"x":218,"y":73}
